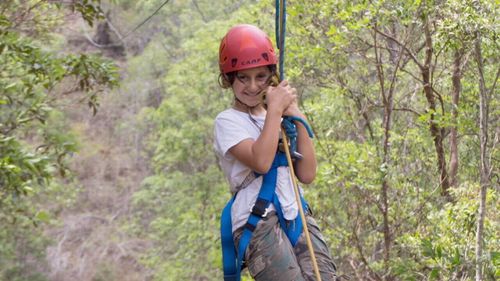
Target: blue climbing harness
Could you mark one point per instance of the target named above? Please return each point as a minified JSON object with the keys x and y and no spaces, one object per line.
{"x":233,"y":258}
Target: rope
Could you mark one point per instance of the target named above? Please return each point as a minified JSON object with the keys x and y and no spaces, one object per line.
{"x":280,"y":34}
{"x":301,"y":210}
{"x":288,"y":124}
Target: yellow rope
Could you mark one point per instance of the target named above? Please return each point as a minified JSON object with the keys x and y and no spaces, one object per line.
{"x":301,"y":210}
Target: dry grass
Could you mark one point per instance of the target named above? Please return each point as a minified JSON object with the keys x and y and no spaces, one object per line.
{"x":90,"y":245}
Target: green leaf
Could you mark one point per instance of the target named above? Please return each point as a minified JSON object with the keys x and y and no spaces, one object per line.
{"x":439,"y":251}
{"x":434,"y":274}
{"x":11,"y":85}
{"x":427,"y":250}
{"x":43,"y":216}
{"x":495,"y":258}
{"x":456,"y":257}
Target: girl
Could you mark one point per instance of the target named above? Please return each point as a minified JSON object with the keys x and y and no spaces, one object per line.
{"x":247,"y":138}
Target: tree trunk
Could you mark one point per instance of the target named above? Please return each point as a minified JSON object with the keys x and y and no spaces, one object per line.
{"x":436,"y":131}
{"x":484,"y":165}
{"x":388,"y":102}
{"x":457,"y":88}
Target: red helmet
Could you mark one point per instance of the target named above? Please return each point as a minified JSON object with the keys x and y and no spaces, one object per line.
{"x":245,"y":46}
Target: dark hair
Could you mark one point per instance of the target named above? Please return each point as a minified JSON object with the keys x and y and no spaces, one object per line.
{"x":227,"y":80}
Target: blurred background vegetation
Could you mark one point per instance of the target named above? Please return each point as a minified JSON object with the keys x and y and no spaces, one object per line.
{"x":106,"y":164}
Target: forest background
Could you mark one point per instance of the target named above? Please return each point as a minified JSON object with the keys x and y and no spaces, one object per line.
{"x":106,"y":164}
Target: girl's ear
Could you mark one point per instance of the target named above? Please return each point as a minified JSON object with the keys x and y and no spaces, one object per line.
{"x":224,"y":81}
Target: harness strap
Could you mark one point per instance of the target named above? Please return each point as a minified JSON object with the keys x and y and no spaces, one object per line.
{"x":232,"y":259}
{"x":228,"y":250}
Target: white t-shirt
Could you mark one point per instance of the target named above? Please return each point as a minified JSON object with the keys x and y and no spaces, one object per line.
{"x":232,"y":127}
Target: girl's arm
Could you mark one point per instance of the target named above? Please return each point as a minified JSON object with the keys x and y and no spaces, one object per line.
{"x":259,"y":154}
{"x":305,"y":168}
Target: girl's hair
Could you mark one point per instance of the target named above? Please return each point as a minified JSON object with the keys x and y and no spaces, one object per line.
{"x":227,"y":80}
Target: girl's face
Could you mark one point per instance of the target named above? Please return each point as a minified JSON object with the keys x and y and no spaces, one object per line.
{"x":248,"y":86}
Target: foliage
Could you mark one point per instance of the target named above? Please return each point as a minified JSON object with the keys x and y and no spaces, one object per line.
{"x":35,"y":83}
{"x":332,"y":58}
{"x":451,"y":255}
{"x":346,"y":97}
{"x":28,"y":81}
{"x":359,"y":67}
{"x":181,"y":202}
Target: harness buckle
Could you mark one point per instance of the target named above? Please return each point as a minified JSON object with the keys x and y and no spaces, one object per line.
{"x":258,"y":209}
{"x":293,"y":154}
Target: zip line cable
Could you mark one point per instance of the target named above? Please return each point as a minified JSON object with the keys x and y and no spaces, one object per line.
{"x":122,"y":38}
{"x":146,"y":20}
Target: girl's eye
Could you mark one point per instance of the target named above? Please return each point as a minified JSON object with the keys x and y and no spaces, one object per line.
{"x":262,"y":78}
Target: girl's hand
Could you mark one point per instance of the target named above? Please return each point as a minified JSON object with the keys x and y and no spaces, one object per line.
{"x":293,"y":110}
{"x":280,"y":98}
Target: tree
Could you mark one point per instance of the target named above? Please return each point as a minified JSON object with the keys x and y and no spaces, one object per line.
{"x":34,"y":83}
{"x":484,"y":165}
{"x":335,"y":64}
{"x":29,"y":95}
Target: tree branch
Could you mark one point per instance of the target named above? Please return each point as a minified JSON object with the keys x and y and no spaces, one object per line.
{"x":410,"y":53}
